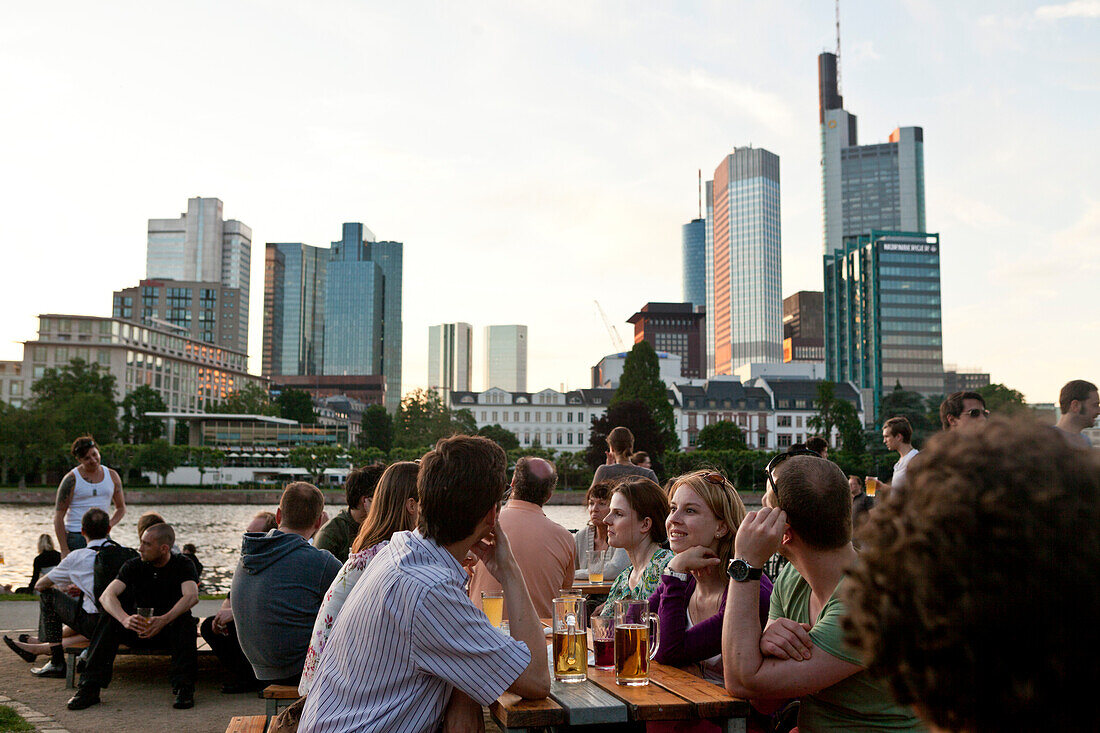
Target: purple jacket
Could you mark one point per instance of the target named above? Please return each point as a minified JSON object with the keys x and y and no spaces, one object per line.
{"x":680,"y":645}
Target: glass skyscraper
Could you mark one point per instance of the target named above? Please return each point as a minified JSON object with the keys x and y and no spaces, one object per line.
{"x":506,"y":358}
{"x":744,"y":301}
{"x":294,"y":309}
{"x":695,"y":262}
{"x":450,"y":359}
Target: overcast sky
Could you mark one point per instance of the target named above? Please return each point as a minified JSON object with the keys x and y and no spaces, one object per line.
{"x":534,"y":157}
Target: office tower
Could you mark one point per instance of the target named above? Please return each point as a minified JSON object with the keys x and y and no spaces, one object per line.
{"x":295,"y":275}
{"x":695,"y":262}
{"x":450,"y":358}
{"x":203,"y":311}
{"x":201,"y":247}
{"x":506,"y":358}
{"x":744,"y":305}
{"x":882,"y":313}
{"x":708,"y":272}
{"x":354,"y":299}
{"x":390,"y":258}
{"x":676,"y":328}
{"x":804,"y":326}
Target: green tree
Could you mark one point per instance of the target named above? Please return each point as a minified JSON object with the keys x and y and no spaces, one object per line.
{"x":31,"y":442}
{"x":503,"y":437}
{"x":204,"y":457}
{"x":1001,"y":399}
{"x":160,"y":457}
{"x":315,"y":459}
{"x":638,"y":418}
{"x":852,"y":439}
{"x":121,"y":456}
{"x":252,"y":400}
{"x":366,"y":456}
{"x":573,"y":472}
{"x":296,"y":404}
{"x":136,"y":427}
{"x":422,"y":419}
{"x":641,"y":380}
{"x":721,"y":435}
{"x":825,"y":421}
{"x":80,"y":399}
{"x":463,"y":422}
{"x":376,"y":430}
{"x":912,"y":406}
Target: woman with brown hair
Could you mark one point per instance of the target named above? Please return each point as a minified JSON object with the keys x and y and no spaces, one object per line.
{"x":636,"y":523}
{"x":395,"y":508}
{"x":620,"y":446}
{"x":593,"y":536}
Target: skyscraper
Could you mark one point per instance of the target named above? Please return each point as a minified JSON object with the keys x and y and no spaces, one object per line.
{"x":804,"y":326}
{"x":695,"y":262}
{"x":744,"y":304}
{"x":676,"y":328}
{"x":354,"y":299}
{"x":390,"y":257}
{"x":506,"y":358}
{"x":203,"y":311}
{"x":295,"y":275}
{"x":450,"y":357}
{"x":200,"y":246}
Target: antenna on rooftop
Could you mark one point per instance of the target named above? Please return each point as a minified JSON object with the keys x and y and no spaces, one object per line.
{"x":838,"y":90}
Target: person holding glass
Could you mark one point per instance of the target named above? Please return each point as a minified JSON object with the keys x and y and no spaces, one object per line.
{"x":636,"y":523}
{"x":704,"y":514}
{"x":593,"y":536}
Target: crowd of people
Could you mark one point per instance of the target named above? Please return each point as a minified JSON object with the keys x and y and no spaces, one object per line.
{"x":960,"y":594}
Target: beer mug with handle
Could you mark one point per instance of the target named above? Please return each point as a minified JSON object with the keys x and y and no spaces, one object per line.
{"x":636,"y":634}
{"x":570,"y":639}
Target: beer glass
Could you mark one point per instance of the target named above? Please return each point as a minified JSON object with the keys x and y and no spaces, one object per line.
{"x":596,"y":560}
{"x":492,"y":603}
{"x":570,"y":640}
{"x":603,"y":640}
{"x":636,"y":634}
{"x":870,"y":483}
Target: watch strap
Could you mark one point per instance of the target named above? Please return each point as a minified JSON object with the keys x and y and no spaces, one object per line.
{"x":673,"y":574}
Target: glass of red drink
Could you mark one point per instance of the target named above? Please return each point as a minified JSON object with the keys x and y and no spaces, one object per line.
{"x":603,"y":640}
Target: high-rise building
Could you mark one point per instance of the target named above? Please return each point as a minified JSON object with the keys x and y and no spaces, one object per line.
{"x":804,"y":327}
{"x":295,"y":275}
{"x":744,"y":305}
{"x":201,"y":247}
{"x":676,"y":328}
{"x":506,"y":358}
{"x":882,"y":313}
{"x":354,"y":298}
{"x":390,"y":257}
{"x":695,"y":262}
{"x":450,"y":358}
{"x":203,"y":311}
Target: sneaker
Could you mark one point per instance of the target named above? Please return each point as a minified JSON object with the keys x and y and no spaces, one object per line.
{"x":23,"y":653}
{"x":50,"y":670}
{"x":84,"y":698}
{"x":185,"y":698}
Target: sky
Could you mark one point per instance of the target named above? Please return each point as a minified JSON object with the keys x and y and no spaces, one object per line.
{"x":537,"y":157}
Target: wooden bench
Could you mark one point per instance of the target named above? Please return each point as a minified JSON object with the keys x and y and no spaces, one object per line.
{"x":278,"y":697}
{"x":72,"y":652}
{"x":247,"y":724}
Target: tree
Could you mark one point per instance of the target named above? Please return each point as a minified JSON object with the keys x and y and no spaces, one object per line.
{"x":121,"y":456}
{"x":912,"y":406}
{"x":721,"y":435}
{"x":506,"y":439}
{"x":852,"y":437}
{"x":160,"y":458}
{"x":638,"y":418}
{"x":1001,"y":399}
{"x":826,"y":418}
{"x":376,"y":430}
{"x":315,"y":459}
{"x":296,"y":404}
{"x":252,"y":400}
{"x":641,"y":380}
{"x":204,"y":457}
{"x":463,"y":422}
{"x":136,"y":427}
{"x":422,"y":419}
{"x":79,"y":398}
{"x":30,"y":443}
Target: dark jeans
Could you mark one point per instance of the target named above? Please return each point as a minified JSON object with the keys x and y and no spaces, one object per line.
{"x":228,"y":651}
{"x":75,"y":540}
{"x":56,"y":608}
{"x":178,"y":637}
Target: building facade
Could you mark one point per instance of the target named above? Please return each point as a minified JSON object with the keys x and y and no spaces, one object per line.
{"x":202,"y":247}
{"x":963,"y":380}
{"x":370,"y":389}
{"x":552,"y":419}
{"x":13,"y":390}
{"x":694,"y":247}
{"x":676,"y":328}
{"x":609,"y":370}
{"x":804,"y":326}
{"x":204,"y":311}
{"x":505,"y":363}
{"x":295,"y":276}
{"x":450,"y":358}
{"x":745,"y":305}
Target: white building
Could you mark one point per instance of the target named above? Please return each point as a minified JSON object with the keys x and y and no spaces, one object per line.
{"x":553,"y":419}
{"x":506,"y":358}
{"x":450,"y":358}
{"x":607,"y":373}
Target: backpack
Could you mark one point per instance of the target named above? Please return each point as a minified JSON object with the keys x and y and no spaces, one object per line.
{"x":109,"y":558}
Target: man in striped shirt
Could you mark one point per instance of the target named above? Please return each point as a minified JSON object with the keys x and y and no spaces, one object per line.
{"x":409,"y":649}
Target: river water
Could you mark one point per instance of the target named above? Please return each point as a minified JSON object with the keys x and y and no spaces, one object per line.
{"x":214,"y":529}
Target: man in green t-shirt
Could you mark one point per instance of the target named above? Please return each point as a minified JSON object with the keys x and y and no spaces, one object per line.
{"x":807,"y":518}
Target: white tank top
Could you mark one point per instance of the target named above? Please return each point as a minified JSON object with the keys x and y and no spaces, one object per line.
{"x":87,"y":496}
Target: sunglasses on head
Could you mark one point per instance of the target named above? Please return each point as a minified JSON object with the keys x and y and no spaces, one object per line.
{"x":769,"y":470}
{"x":977,"y":412}
{"x":714,"y":478}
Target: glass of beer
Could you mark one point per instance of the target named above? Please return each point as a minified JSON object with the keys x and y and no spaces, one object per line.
{"x":603,"y":640}
{"x":636,"y":634}
{"x":870,"y":483}
{"x":570,"y":640}
{"x":492,"y":603}
{"x":596,"y":560}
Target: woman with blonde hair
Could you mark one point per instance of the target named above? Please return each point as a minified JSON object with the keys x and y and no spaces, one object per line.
{"x":395,"y":508}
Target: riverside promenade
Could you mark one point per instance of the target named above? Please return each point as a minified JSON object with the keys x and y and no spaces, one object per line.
{"x":194,"y":495}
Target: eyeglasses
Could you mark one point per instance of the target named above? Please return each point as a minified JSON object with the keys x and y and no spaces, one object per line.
{"x":715,"y":478}
{"x":769,"y":470}
{"x":977,"y":412}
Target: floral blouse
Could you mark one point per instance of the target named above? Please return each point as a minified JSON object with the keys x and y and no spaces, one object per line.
{"x":651,"y":578}
{"x":337,"y":593}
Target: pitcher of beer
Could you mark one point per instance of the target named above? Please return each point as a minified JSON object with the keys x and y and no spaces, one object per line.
{"x":635,"y":641}
{"x":570,"y":639}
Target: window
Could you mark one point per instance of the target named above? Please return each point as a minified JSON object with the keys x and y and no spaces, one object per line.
{"x":15,"y":388}
{"x":798,"y":421}
{"x":784,"y":440}
{"x":784,"y":421}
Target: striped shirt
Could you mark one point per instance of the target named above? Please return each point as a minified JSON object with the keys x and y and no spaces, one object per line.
{"x":405,"y":638}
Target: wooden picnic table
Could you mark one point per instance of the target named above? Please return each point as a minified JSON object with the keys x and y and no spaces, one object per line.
{"x":592,"y":589}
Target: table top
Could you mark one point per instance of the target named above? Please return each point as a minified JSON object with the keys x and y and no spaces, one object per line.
{"x":592,"y":589}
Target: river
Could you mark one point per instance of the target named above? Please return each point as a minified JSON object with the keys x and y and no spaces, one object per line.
{"x":215,"y":530}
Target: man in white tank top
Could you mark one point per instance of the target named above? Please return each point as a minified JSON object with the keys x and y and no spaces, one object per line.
{"x":91,"y":484}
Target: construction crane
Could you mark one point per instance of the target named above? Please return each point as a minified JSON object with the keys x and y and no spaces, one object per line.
{"x":615,"y":340}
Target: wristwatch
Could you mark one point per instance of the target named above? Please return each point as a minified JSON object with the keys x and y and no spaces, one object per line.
{"x":679,"y":576}
{"x":741,"y":571}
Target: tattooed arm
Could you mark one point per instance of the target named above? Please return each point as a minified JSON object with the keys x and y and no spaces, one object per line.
{"x":64,"y":498}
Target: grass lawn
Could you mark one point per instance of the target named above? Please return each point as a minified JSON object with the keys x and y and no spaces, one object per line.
{"x":18,"y":597}
{"x":10,"y":720}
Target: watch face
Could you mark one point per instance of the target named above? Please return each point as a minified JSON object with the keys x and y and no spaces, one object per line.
{"x":739,"y":570}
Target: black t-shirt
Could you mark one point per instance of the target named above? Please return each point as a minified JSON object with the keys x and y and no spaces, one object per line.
{"x":158,"y":588}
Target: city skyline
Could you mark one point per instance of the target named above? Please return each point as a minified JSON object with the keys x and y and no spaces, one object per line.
{"x":591,"y":110}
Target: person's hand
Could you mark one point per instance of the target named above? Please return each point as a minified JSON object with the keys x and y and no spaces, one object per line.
{"x":610,"y":460}
{"x":463,"y":714}
{"x":694,"y":558}
{"x":71,"y":590}
{"x":786,"y":639}
{"x":153,"y":627}
{"x":759,"y":536}
{"x":221,"y":621}
{"x":135,"y":623}
{"x":495,"y":552}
